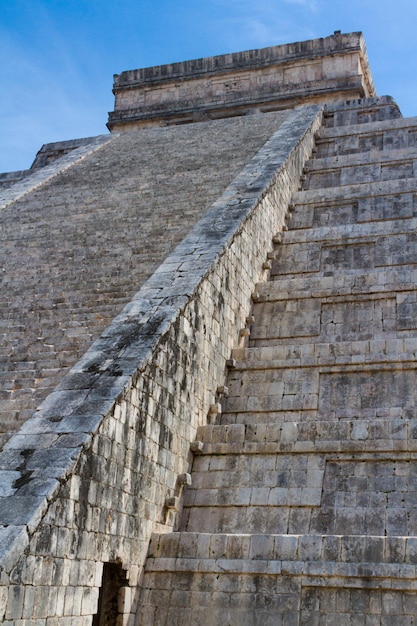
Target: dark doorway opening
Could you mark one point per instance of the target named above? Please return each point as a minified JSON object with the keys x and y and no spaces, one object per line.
{"x":114,"y":577}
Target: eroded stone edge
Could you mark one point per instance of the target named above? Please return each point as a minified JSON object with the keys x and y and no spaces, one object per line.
{"x":48,"y":172}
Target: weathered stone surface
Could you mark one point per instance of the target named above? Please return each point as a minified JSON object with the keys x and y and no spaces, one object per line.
{"x":91,"y":234}
{"x":149,"y":382}
{"x":299,"y":504}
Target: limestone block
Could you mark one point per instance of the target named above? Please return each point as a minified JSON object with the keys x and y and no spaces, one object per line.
{"x":360,"y":393}
{"x":353,"y":256}
{"x":407,"y":311}
{"x":286,"y":319}
{"x":293,"y":259}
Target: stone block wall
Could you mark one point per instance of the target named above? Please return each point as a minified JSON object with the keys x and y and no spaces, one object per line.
{"x":86,"y":480}
{"x":268,"y":79}
{"x":80,"y":236}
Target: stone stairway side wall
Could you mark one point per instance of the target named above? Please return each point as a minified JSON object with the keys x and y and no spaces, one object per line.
{"x":33,"y":179}
{"x":84,"y":482}
{"x":7,"y":179}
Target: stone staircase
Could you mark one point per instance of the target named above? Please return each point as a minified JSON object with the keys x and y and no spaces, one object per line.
{"x":303,"y":507}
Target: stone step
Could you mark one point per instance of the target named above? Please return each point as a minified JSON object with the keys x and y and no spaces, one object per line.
{"x":340,"y":283}
{"x":247,"y":479}
{"x":280,"y":580}
{"x":369,"y":158}
{"x":343,"y":320}
{"x":367,"y":126}
{"x":369,"y":387}
{"x":345,"y":254}
{"x":360,"y":391}
{"x":360,"y":111}
{"x":401,"y":278}
{"x":347,"y":436}
{"x":295,"y":518}
{"x":309,"y":493}
{"x":360,"y":168}
{"x":377,"y":210}
{"x":354,"y":192}
{"x":311,"y":598}
{"x":383,"y":135}
{"x":367,"y":138}
{"x":375,"y":171}
{"x":197,"y":547}
{"x":307,"y":417}
{"x":359,"y":230}
{"x":375,"y":352}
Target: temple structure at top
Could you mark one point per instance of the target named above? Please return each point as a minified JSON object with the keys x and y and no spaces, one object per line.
{"x":270,"y":79}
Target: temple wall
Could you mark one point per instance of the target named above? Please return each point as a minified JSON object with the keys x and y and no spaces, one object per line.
{"x":274,"y":78}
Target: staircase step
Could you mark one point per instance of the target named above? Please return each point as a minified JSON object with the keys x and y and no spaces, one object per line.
{"x":308,"y":493}
{"x":326,"y":234}
{"x":355,"y":192}
{"x":383,"y":135}
{"x":349,"y":355}
{"x":345,"y":254}
{"x":361,"y":168}
{"x":340,"y":213}
{"x":296,"y":517}
{"x":279,"y":597}
{"x":196,"y":547}
{"x":361,"y":111}
{"x":380,"y":280}
{"x":361,"y":392}
{"x":331,"y":556}
{"x":368,"y":126}
{"x":368,"y":158}
{"x":345,"y":321}
{"x":347,"y":436}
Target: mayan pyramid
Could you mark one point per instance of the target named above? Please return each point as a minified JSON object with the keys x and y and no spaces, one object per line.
{"x":209,"y":339}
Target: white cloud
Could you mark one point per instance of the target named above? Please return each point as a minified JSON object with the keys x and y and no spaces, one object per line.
{"x":244,"y":24}
{"x":258,"y":32}
{"x":265,"y":6}
{"x":311,"y":5}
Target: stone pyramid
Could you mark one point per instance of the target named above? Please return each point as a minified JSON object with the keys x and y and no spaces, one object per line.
{"x":237,"y":444}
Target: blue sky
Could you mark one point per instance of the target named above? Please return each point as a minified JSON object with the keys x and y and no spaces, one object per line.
{"x":59,"y":56}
